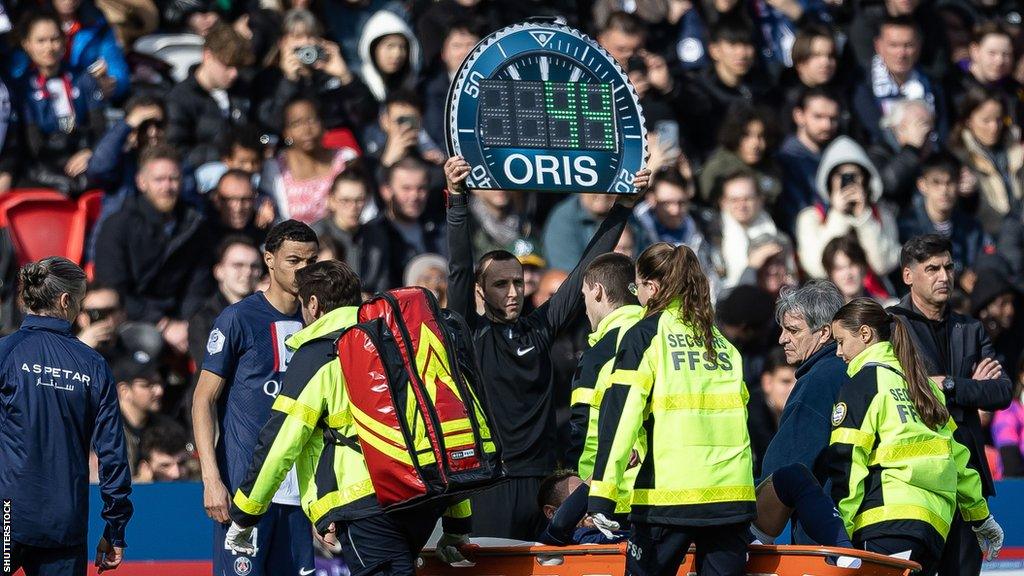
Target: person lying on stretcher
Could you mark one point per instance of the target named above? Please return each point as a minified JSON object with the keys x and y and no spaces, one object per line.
{"x":791,"y":490}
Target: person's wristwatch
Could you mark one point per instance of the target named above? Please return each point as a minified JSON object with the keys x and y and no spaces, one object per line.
{"x":948,"y":385}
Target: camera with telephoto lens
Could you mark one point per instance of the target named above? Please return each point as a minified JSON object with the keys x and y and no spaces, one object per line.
{"x":310,"y":54}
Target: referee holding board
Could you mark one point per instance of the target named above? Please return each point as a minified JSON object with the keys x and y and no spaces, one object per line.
{"x":57,"y":398}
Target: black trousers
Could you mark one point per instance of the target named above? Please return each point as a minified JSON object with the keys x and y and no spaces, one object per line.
{"x":962,"y":555}
{"x":386,"y":544}
{"x":659,"y":549}
{"x":69,"y":561}
{"x":920,"y":552}
{"x":509,"y":510}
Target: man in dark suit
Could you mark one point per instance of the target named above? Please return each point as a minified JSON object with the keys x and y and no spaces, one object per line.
{"x":961,"y":360}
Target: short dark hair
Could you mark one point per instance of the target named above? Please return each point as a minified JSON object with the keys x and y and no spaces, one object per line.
{"x":813,"y":92}
{"x":614,"y":272}
{"x":989,"y":28}
{"x":671,"y":177}
{"x":403,"y":96}
{"x":848,"y":245}
{"x":739,"y":174}
{"x":901,"y":21}
{"x":626,"y":23}
{"x":920,"y":248}
{"x":734,"y":125}
{"x":465,"y":24}
{"x":166,"y":436}
{"x":407,"y":162}
{"x":245,"y":136}
{"x":143,"y":99}
{"x":941,"y":161}
{"x":547,"y":493}
{"x":332,"y":282}
{"x":33,"y":17}
{"x":775,"y":359}
{"x":355,"y":171}
{"x":234,"y":173}
{"x":492,"y":256}
{"x":233,"y":240}
{"x":289,"y":230}
{"x":732,"y":29}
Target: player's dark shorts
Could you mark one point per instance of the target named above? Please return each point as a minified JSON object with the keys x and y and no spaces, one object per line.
{"x":387,"y":544}
{"x":658,"y":550}
{"x":284,"y":545}
{"x":69,"y":561}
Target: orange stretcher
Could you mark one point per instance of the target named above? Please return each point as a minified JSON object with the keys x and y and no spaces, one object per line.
{"x":610,"y":560}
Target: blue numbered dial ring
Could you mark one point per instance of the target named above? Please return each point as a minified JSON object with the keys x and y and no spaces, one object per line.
{"x":540,"y":106}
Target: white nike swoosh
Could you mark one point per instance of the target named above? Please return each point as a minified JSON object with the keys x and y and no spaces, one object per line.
{"x":306,"y":571}
{"x":524,"y":351}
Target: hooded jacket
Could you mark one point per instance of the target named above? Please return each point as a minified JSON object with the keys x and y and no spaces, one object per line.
{"x":384,"y":23}
{"x":875,"y":228}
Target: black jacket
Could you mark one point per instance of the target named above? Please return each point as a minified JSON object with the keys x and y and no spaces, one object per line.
{"x":968,"y":345}
{"x":350,"y":105}
{"x":367,"y":252}
{"x":157,"y":275}
{"x":195,"y":122}
{"x":517,"y":373}
{"x":399,"y":252}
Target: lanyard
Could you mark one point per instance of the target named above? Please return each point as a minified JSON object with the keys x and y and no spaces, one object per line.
{"x":64,"y":108}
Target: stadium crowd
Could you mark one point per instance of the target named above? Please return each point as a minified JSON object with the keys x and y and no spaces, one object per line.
{"x":790,"y":140}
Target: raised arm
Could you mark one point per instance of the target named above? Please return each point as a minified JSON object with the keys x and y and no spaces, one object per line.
{"x":567,"y":302}
{"x":461,"y":291}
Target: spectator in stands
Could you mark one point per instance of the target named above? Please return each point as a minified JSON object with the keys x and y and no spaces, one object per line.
{"x":154,"y":250}
{"x":990,"y":67}
{"x":390,"y":54}
{"x":533,"y":270}
{"x":908,"y":137}
{"x":743,"y":218}
{"x":767,"y":402}
{"x":99,"y":321}
{"x":431,"y":272}
{"x":140,"y":392}
{"x":893,"y":75}
{"x":233,"y":208}
{"x":623,"y":36}
{"x":240,"y":148}
{"x":934,"y":210}
{"x":732,"y":77}
{"x":300,"y":176}
{"x":814,"y":67}
{"x":341,"y":97}
{"x":163,"y":454}
{"x":869,"y":19}
{"x":115,"y":160}
{"x":197,"y":17}
{"x":92,"y":48}
{"x":459,"y":39}
{"x":364,"y":248}
{"x":1008,"y":430}
{"x":744,"y":315}
{"x":771,"y":263}
{"x":410,"y":230}
{"x":211,"y":99}
{"x":498,"y":221}
{"x":237,"y":270}
{"x":982,"y":141}
{"x":848,"y":192}
{"x":746,"y":142}
{"x":994,"y":302}
{"x":434,"y":27}
{"x":570,"y":226}
{"x":61,"y":112}
{"x":399,"y":133}
{"x":8,"y":138}
{"x":816,"y":117}
{"x":672,"y":218}
{"x":846,"y":266}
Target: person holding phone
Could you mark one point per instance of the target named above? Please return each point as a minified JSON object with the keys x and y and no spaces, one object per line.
{"x":849,"y":189}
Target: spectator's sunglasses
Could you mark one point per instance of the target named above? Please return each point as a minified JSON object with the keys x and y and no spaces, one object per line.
{"x":99,"y":314}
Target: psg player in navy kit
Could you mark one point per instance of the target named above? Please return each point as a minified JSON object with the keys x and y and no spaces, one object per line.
{"x":241,"y":375}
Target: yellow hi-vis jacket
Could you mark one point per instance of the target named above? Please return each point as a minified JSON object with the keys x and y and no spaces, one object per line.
{"x":592,"y":379}
{"x":891,"y":474}
{"x":334,"y":484}
{"x":693,"y":415}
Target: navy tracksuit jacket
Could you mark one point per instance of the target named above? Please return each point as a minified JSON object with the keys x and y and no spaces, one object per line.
{"x":58,"y":397}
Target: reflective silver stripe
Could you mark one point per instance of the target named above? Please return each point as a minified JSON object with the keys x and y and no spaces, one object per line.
{"x":354,"y":549}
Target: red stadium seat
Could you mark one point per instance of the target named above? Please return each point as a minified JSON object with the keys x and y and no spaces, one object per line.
{"x":41,"y":228}
{"x":20,"y":194}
